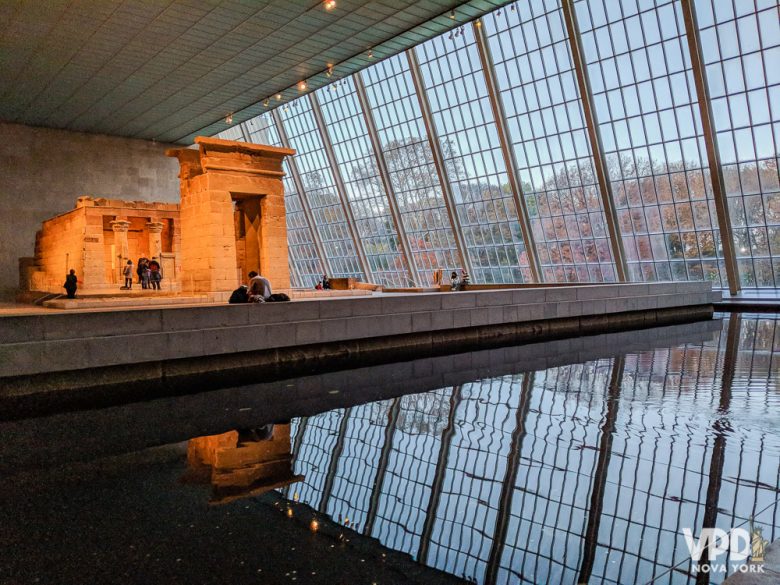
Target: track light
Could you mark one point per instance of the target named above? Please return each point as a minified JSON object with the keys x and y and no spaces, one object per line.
{"x":302,"y":86}
{"x":229,"y":119}
{"x":329,"y":5}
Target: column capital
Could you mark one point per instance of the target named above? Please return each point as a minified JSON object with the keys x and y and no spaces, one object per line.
{"x":155,"y":227}
{"x":120,"y":225}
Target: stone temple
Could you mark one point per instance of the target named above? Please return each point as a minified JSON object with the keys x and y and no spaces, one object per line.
{"x":231,"y":220}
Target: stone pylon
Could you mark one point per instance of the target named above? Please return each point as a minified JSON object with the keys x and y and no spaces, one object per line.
{"x":218,"y":180}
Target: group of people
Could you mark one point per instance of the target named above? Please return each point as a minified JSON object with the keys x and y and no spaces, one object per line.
{"x":323,"y":284}
{"x":148,"y":271}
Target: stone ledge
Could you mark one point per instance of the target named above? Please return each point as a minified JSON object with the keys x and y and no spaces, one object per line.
{"x":74,"y":341}
{"x":52,"y":391}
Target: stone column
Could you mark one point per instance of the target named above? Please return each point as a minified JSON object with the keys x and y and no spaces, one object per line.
{"x":120,"y":227}
{"x":155,"y":229}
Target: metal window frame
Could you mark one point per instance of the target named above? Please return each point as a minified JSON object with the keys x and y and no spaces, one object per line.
{"x":601,"y":471}
{"x":381,"y":162}
{"x":438,"y":479}
{"x":510,"y":478}
{"x":296,"y":177}
{"x":438,"y":158}
{"x":711,"y":142}
{"x":333,"y":464}
{"x":340,"y":186}
{"x":502,"y":129}
{"x":594,"y":136}
{"x":381,"y":472}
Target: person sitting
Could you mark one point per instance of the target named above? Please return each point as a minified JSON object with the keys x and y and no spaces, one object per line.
{"x":319,"y":285}
{"x":259,"y":288}
{"x":455,"y":282}
{"x":240,"y":295}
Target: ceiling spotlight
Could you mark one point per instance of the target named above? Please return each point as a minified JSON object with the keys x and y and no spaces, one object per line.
{"x":478,"y":23}
{"x":266,"y":101}
{"x":452,"y":34}
{"x":278,"y":97}
{"x":370,"y":53}
{"x":329,"y":4}
{"x":452,"y":15}
{"x":229,"y":119}
{"x":302,"y":86}
{"x":329,"y":72}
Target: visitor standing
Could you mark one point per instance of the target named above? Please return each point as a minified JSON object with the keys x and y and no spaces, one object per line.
{"x":140,"y":271}
{"x":128,"y":274}
{"x":71,"y":284}
{"x":155,"y":274}
{"x":146,"y":276}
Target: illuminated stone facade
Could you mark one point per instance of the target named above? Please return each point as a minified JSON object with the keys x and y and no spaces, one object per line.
{"x":232,"y":214}
{"x":97,"y":238}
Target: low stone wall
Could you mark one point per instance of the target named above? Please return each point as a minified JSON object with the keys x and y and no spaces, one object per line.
{"x":42,"y":353}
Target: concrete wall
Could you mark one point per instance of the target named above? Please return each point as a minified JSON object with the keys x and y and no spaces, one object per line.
{"x":44,"y":171}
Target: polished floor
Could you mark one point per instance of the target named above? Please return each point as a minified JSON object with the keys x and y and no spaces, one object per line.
{"x":586,"y":471}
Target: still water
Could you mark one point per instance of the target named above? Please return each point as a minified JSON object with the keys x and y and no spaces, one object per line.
{"x":577,"y":461}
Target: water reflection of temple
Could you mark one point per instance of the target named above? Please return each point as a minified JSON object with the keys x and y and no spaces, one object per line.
{"x":574,"y":474}
{"x":242,"y":463}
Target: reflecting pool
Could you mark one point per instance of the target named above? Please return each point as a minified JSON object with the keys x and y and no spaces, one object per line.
{"x":576,"y":461}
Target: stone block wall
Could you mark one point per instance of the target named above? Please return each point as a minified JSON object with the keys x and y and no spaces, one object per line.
{"x":59,"y":247}
{"x":208,"y":238}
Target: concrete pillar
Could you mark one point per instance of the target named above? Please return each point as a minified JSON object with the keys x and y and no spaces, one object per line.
{"x":120,"y":227}
{"x":155,"y":229}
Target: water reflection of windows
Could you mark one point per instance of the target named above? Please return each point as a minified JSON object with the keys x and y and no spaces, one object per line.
{"x":403,"y":503}
{"x":475,"y":468}
{"x":653,"y":474}
{"x":392,"y":97}
{"x":365,"y":190}
{"x":320,"y":188}
{"x":313,"y":459}
{"x":464,"y":122}
{"x":549,"y":504}
{"x":538,"y":87}
{"x":358,"y":464}
{"x":647,"y":108}
{"x":741,"y":49}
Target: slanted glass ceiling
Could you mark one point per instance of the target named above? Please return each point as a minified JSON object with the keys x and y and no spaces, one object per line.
{"x":426,"y":177}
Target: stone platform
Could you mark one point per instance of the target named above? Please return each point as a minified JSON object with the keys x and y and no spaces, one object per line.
{"x":184,"y":350}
